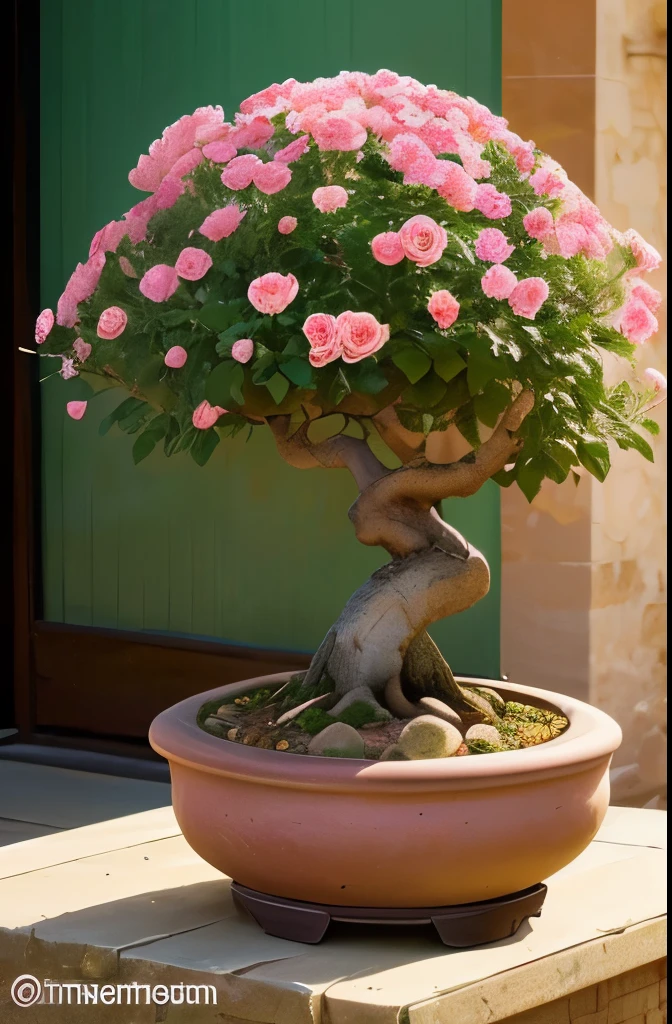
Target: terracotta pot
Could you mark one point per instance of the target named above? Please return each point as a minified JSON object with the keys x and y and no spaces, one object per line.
{"x":389,"y":834}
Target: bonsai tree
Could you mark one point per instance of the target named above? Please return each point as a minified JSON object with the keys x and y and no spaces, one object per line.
{"x":369,"y":267}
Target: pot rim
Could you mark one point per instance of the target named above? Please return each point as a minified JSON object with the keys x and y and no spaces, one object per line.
{"x":590,"y":737}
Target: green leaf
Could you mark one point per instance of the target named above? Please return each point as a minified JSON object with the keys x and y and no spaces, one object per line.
{"x":412,"y":362}
{"x":296,"y":346}
{"x":146,"y":442}
{"x":130,"y":405}
{"x":467,"y":424}
{"x":651,"y":426}
{"x":481,"y":369}
{"x":278,"y":387}
{"x":427,"y":393}
{"x":218,"y":316}
{"x":369,"y":381}
{"x":204,"y":445}
{"x":626,"y":437}
{"x":529,"y":476}
{"x":448,"y":363}
{"x":175,"y":317}
{"x":340,"y":388}
{"x":240,"y":330}
{"x":325,"y":427}
{"x":223,"y":385}
{"x":299,"y":371}
{"x":594,"y":456}
{"x":172,"y":436}
{"x":491,"y":403}
{"x":285,"y":319}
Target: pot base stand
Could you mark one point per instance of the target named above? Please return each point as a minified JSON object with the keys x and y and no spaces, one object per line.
{"x":468,"y":924}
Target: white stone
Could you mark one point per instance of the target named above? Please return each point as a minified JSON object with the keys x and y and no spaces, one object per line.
{"x":429,"y":737}
{"x":338,"y":737}
{"x":487,"y":733}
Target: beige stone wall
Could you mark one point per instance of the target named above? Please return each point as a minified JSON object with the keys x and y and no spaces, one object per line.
{"x":636,"y":997}
{"x":583,"y":574}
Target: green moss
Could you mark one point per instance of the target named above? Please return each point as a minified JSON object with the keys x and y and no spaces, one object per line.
{"x":296,"y":693}
{"x":314,"y":720}
{"x":206,"y":710}
{"x":482,"y":747}
{"x":497,"y":704}
{"x":358,"y":714}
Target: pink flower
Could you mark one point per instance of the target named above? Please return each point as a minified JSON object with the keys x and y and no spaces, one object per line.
{"x":538,"y":222}
{"x":528,"y":297}
{"x":458,"y":188}
{"x":43,"y":325}
{"x":571,"y":236}
{"x":112,"y":322}
{"x":359,"y":335}
{"x":648,"y":295}
{"x":498,"y":282}
{"x":76,"y":410}
{"x":126,"y":267}
{"x":423,"y":240}
{"x":193,"y":264}
{"x":336,"y":131}
{"x":175,"y":357}
{"x":252,"y":133}
{"x":492,"y":204}
{"x":242,"y":350}
{"x":387,"y":248}
{"x":409,"y":154}
{"x":219,"y":152}
{"x":273,"y":292}
{"x":239,"y":173}
{"x":176,"y":140}
{"x":271,"y":177}
{"x":186,"y":164}
{"x":492,"y":246}
{"x":67,"y":370}
{"x":287,"y":224}
{"x":293,"y":151}
{"x":82,"y":349}
{"x":647,"y":257}
{"x":636,"y":322}
{"x":320,"y":329}
{"x":222,"y":223}
{"x":81,"y":286}
{"x":206,"y":415}
{"x":444,"y":308}
{"x":108,"y":238}
{"x":159,"y":283}
{"x":545,"y":183}
{"x":330,"y":198}
{"x":656,"y":379}
{"x":168,"y":192}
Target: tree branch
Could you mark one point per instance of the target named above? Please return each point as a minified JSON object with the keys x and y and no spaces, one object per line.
{"x":338,"y":452}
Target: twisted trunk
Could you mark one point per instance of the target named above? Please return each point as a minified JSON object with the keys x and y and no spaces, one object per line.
{"x":434,"y":572}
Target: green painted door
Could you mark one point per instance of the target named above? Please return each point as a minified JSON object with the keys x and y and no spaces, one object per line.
{"x":247,"y":549}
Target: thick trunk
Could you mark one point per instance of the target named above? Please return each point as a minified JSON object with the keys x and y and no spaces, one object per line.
{"x":434,"y":572}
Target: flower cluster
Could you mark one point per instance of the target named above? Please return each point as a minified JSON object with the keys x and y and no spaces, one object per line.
{"x":352,"y":243}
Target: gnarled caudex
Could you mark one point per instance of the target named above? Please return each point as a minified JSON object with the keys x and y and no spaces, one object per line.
{"x":434,"y":572}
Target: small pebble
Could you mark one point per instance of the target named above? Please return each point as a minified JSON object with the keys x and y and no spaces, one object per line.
{"x":282,"y":745}
{"x":462,"y":750}
{"x":231,"y":734}
{"x":487,"y":733}
{"x":338,"y":736}
{"x":429,"y":737}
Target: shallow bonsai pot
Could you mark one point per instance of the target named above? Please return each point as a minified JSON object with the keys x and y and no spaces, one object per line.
{"x":389,"y":834}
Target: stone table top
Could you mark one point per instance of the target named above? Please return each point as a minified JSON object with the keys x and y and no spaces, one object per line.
{"x":127,"y":900}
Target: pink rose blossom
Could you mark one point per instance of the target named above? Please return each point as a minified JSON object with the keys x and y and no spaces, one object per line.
{"x":242,"y":350}
{"x":546,"y":183}
{"x":267,"y":97}
{"x":492,"y":204}
{"x":108,"y":238}
{"x":470,"y":154}
{"x":444,"y":308}
{"x":112,"y":322}
{"x":271,"y":177}
{"x":126,"y":267}
{"x":67,"y":370}
{"x":320,"y":329}
{"x":175,"y":357}
{"x":492,"y":246}
{"x":186,"y":164}
{"x":252,"y":133}
{"x":334,"y":131}
{"x":538,"y":222}
{"x":330,"y":198}
{"x":409,"y":154}
{"x":82,"y":349}
{"x":193,"y":264}
{"x":238,"y":174}
{"x":648,"y":295}
{"x":168,"y":192}
{"x":636,"y":322}
{"x":293,"y":151}
{"x":359,"y":335}
{"x":222,"y":223}
{"x":219,"y":152}
{"x":528,"y":297}
{"x":457,"y":187}
{"x":43,"y":325}
{"x":387,"y":248}
{"x":571,"y":237}
{"x":159,"y":283}
{"x":176,"y":140}
{"x":81,"y":286}
{"x":423,"y":240}
{"x":498,"y":282}
{"x":659,"y":384}
{"x":206,"y":415}
{"x":273,"y":292}
{"x":647,"y":257}
{"x":76,"y":410}
{"x":287,"y":224}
